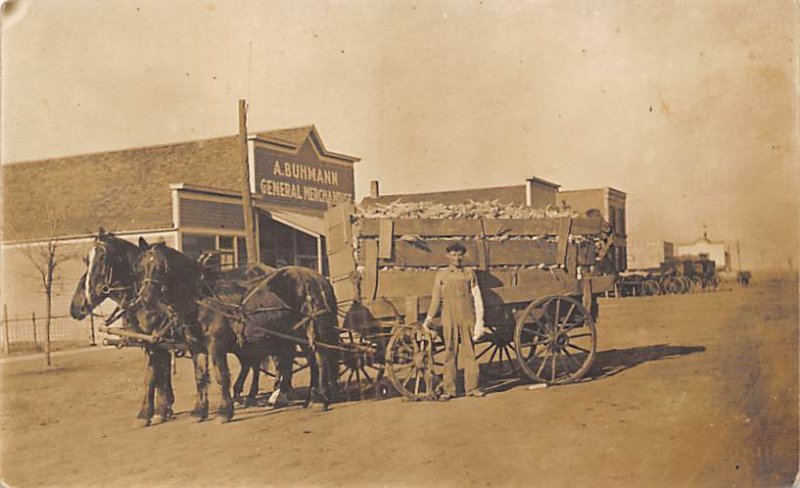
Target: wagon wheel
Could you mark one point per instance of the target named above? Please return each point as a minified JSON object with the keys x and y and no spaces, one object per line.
{"x":650,"y":288}
{"x":498,"y":347}
{"x":414,"y":362}
{"x":362,"y":364}
{"x":556,"y":340}
{"x":686,"y":284}
{"x":669,"y":285}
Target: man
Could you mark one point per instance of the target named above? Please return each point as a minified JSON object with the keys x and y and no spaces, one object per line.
{"x":456,"y":290}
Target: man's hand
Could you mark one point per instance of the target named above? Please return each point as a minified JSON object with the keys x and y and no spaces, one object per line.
{"x":479,"y":330}
{"x":426,"y":324}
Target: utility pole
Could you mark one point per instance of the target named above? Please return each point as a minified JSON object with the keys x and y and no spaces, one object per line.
{"x":247,"y":202}
{"x":739,"y":254}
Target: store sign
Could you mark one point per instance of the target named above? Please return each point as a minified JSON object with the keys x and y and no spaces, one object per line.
{"x":304,"y":183}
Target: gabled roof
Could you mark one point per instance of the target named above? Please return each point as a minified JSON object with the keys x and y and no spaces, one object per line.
{"x":702,"y":240}
{"x":506,"y":194}
{"x":293,"y":139}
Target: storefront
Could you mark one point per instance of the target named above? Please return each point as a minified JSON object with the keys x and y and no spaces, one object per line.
{"x":186,"y":194}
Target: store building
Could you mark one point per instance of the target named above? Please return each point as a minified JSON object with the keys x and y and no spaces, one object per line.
{"x":649,"y":255}
{"x":611,"y":203}
{"x":715,"y":251}
{"x":187,"y":194}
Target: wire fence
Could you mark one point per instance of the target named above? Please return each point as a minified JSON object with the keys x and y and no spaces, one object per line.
{"x":28,"y":334}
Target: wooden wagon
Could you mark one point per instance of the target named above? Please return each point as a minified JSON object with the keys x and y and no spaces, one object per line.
{"x":538,"y":282}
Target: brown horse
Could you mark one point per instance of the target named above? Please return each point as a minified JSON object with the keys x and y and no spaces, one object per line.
{"x":110,"y":275}
{"x":292,"y":305}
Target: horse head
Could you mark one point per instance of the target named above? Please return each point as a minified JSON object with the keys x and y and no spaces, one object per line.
{"x":108,"y":270}
{"x":79,"y":307}
{"x":167,"y":276}
{"x":153,"y":271}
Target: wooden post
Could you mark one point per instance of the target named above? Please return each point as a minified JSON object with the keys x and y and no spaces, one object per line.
{"x":35,"y":341}
{"x":91,"y":321}
{"x":247,"y":202}
{"x":5,"y":330}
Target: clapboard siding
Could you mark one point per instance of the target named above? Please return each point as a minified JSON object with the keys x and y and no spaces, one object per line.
{"x":211,"y":215}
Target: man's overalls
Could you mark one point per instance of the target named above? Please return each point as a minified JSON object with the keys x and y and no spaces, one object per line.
{"x":453,"y":288}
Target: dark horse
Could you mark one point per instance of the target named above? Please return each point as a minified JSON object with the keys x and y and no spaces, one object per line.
{"x":290,"y":306}
{"x":110,"y":275}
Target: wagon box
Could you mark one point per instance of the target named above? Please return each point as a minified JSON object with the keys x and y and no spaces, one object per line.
{"x":539,"y":278}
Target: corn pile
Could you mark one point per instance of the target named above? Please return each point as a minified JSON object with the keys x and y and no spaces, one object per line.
{"x":469,"y":210}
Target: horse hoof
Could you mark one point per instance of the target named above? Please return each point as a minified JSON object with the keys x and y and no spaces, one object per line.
{"x":222,"y":419}
{"x":158,"y":419}
{"x":250,"y":402}
{"x":280,"y":400}
{"x":198,"y":417}
{"x":319,"y":407}
{"x":141,"y":423}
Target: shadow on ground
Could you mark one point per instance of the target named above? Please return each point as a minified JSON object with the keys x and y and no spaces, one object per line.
{"x":614,"y":361}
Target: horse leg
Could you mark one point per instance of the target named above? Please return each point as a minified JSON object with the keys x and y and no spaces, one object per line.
{"x":319,"y":395}
{"x":285,"y":366}
{"x":314,"y":380}
{"x":161,"y":369}
{"x":238,"y":386}
{"x":222,"y":375}
{"x":255,"y":367}
{"x":147,"y":407}
{"x":200,"y":362}
{"x":168,"y":386}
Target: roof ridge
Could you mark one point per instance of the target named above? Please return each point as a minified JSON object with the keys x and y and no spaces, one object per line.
{"x":155,"y":146}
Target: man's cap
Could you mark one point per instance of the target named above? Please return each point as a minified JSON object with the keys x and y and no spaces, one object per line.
{"x":457,"y":247}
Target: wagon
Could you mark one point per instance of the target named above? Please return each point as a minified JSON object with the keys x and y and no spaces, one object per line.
{"x":539,"y":289}
{"x":637,"y":283}
{"x":684,"y":274}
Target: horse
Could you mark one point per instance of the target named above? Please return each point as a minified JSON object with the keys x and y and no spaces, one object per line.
{"x":279,"y":311}
{"x":229,"y":289}
{"x":110,"y":275}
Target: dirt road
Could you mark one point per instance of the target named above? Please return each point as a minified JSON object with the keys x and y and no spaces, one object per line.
{"x":694,"y":390}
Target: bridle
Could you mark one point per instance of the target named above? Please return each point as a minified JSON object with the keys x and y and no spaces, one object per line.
{"x":106,"y":270}
{"x":149,"y":280}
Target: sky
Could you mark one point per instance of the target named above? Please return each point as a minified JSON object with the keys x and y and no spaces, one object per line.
{"x":690,"y":107}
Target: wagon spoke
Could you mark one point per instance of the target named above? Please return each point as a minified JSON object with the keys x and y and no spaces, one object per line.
{"x":579,"y":348}
{"x":544,"y":362}
{"x":556,"y":322}
{"x":569,"y":314}
{"x":571,"y":358}
{"x":410,"y":376}
{"x":535,"y":343}
{"x":510,"y":361}
{"x":574,"y":326}
{"x":483,"y":353}
{"x":416,"y":384}
{"x":576,"y":336}
{"x":347,"y":383}
{"x":553,"y":375}
{"x":491,"y":358}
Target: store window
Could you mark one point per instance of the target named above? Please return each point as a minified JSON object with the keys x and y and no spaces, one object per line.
{"x":281,"y":245}
{"x":228,"y":251}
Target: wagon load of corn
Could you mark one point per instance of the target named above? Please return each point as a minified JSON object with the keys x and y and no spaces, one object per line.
{"x":508,"y":244}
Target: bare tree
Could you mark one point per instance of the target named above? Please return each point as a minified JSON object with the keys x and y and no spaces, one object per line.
{"x":46,"y":255}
